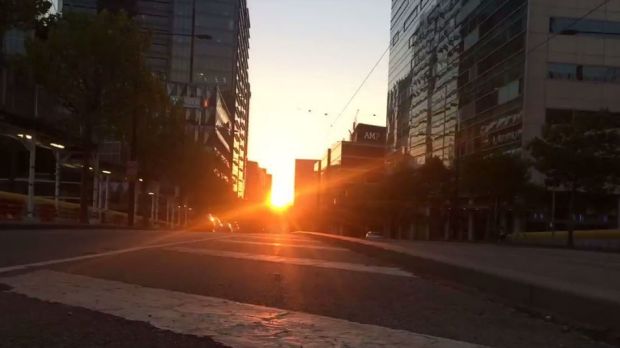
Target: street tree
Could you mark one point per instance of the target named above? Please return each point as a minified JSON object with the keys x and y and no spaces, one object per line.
{"x":84,"y":62}
{"x":498,"y":178}
{"x":22,"y":14}
{"x":579,"y":155}
{"x":407,"y":190}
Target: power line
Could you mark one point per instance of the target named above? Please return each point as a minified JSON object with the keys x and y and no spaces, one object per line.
{"x":360,"y":86}
{"x":544,"y":42}
{"x":577,"y":20}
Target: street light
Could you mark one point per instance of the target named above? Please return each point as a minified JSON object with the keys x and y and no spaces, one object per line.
{"x":58,"y":146}
{"x":106,"y":172}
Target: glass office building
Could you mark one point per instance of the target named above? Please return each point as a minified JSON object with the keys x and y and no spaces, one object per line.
{"x":212,"y":49}
{"x":456,"y":77}
{"x":197,"y":45}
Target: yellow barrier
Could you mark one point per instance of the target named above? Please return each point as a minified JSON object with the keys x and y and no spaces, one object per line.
{"x":562,"y":235}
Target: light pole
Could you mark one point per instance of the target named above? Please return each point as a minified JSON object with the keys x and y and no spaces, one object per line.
{"x":31,"y":145}
{"x":57,"y":149}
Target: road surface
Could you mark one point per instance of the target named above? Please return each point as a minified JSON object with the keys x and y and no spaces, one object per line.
{"x":118,"y":288}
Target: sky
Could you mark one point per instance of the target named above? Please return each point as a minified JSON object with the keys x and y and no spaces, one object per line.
{"x":312,"y":55}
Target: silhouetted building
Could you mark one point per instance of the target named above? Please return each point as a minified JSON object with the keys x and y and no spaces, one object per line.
{"x":306,"y":193}
{"x":346,"y":176}
{"x":258,"y":183}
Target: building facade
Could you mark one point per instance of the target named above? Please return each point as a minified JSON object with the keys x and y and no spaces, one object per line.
{"x":346,"y":177}
{"x":485,"y":76}
{"x":476,"y":77}
{"x":306,"y":193}
{"x":258,"y":184}
{"x":197,"y":45}
{"x":457,"y":69}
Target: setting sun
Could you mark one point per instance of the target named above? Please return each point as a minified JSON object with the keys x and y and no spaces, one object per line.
{"x":281,"y":198}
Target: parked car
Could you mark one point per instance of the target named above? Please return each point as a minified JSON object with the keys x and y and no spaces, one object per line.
{"x":374,"y":235}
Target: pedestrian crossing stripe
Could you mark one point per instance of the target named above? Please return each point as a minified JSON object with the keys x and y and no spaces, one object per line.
{"x":228,"y":322}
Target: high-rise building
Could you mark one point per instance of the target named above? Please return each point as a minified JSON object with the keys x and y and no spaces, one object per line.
{"x":197,"y":45}
{"x":485,"y":76}
{"x":456,"y":69}
{"x":210,"y":47}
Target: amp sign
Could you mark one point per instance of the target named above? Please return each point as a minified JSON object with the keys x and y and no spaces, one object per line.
{"x":366,"y":133}
{"x":372,"y":136}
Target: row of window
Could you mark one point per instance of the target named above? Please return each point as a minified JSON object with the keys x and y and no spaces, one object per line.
{"x":592,"y":27}
{"x":579,"y":72}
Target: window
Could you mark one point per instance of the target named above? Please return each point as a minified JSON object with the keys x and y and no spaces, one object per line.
{"x":562,"y":71}
{"x":395,"y":38}
{"x":471,"y":39}
{"x":508,"y":92}
{"x":591,"y":27}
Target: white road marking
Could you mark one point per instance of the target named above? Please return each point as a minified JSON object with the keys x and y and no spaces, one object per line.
{"x":107,"y":253}
{"x":228,"y":322}
{"x":277,"y":237}
{"x":296,"y":261}
{"x":285,"y":245}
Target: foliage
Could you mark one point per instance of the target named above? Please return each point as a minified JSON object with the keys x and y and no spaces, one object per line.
{"x":22,"y":14}
{"x":579,"y":155}
{"x":500,"y":176}
{"x":88,"y":63}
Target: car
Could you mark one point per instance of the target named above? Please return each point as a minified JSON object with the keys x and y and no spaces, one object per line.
{"x":374,"y":235}
{"x":213,"y":224}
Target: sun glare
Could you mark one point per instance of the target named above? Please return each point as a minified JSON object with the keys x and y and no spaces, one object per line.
{"x":280,"y":200}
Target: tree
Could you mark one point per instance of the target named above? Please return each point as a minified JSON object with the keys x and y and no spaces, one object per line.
{"x":579,"y":155}
{"x":406,"y":189}
{"x":22,"y":14}
{"x":499,"y":178}
{"x":85,"y":61}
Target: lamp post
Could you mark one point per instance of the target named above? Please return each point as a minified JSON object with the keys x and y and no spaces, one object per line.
{"x":57,"y":149}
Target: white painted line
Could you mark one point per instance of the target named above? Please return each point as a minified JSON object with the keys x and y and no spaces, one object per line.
{"x":107,"y":253}
{"x":285,"y":245}
{"x":296,"y":261}
{"x":228,"y":322}
{"x":276,"y":237}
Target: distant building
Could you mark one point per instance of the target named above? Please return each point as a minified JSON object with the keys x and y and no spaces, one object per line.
{"x":345,"y":174}
{"x":258,"y":183}
{"x":306,"y":192}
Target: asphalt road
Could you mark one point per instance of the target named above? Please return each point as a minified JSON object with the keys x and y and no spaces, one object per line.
{"x":119,"y":288}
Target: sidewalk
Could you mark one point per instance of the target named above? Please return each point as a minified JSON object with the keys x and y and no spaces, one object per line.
{"x":582,"y":285}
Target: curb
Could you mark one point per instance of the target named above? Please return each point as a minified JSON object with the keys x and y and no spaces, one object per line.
{"x":586,"y":309}
{"x":26,"y":226}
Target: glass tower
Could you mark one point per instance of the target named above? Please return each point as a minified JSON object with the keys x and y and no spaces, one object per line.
{"x":456,"y":77}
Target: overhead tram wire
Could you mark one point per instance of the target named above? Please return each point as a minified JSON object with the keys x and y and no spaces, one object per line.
{"x":360,"y":87}
{"x":528,"y":52}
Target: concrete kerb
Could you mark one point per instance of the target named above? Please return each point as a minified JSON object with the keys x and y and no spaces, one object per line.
{"x":585,"y":310}
{"x":55,"y":226}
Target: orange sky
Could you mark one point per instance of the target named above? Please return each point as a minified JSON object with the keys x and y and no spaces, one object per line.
{"x":312,"y":55}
